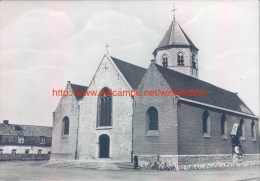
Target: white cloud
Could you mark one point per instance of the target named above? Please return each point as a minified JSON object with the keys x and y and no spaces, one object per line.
{"x":119,"y":31}
{"x":227,"y":37}
{"x":237,"y":71}
{"x":114,"y":28}
{"x":36,"y":29}
{"x":109,"y":20}
{"x":40,"y":52}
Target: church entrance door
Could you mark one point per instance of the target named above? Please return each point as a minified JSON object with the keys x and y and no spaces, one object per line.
{"x":104,"y":143}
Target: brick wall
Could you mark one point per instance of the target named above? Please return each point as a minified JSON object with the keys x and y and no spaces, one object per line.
{"x":166,"y":141}
{"x":181,"y":129}
{"x":68,"y":106}
{"x":172,"y":60}
{"x":120,"y":132}
{"x":190,"y":129}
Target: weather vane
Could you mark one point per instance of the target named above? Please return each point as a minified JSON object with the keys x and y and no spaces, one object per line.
{"x":174,"y":9}
{"x":107,"y":45}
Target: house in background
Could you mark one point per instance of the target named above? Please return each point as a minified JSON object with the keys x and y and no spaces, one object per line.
{"x":24,"y":142}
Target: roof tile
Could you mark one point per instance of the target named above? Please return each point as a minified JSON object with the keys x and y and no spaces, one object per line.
{"x":132,"y":73}
{"x":79,"y":94}
{"x":25,"y":130}
{"x":175,"y":36}
{"x":215,"y":95}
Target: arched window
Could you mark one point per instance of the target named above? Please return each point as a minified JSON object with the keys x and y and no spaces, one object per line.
{"x":223,"y":126}
{"x":253,"y":130}
{"x":206,"y":124}
{"x":180,"y":59}
{"x":165,"y":60}
{"x":152,"y":118}
{"x":65,"y":125}
{"x":104,"y":108}
{"x":242,"y":129}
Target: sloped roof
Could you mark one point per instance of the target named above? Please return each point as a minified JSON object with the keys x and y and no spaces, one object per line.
{"x":175,"y":36}
{"x":25,"y":130}
{"x":79,"y":90}
{"x":132,"y":73}
{"x":215,"y":95}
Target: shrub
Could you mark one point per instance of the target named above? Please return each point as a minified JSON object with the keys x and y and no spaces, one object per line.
{"x":160,"y":166}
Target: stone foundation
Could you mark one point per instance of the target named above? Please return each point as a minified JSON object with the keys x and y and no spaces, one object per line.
{"x":251,"y":157}
{"x":193,"y":162}
{"x":169,"y":159}
{"x":202,"y":159}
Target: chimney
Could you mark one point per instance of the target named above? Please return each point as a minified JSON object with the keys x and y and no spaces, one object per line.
{"x":68,"y":82}
{"x":5,"y":122}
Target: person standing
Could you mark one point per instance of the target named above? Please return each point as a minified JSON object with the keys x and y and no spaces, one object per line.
{"x":136,"y":161}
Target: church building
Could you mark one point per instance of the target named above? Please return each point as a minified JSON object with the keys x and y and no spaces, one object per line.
{"x":192,"y":126}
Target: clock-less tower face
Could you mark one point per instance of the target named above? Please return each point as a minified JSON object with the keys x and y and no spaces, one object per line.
{"x":176,"y":51}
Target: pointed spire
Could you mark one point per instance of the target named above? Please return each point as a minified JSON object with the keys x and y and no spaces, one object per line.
{"x":175,"y":36}
{"x":173,"y":23}
{"x":107,"y":45}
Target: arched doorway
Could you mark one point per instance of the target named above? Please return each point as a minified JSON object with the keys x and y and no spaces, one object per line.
{"x":104,"y":143}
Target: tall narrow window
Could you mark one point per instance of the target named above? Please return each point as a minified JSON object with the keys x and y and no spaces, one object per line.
{"x":180,"y":59}
{"x":242,"y":129}
{"x":65,"y":126}
{"x":104,"y":108}
{"x":223,"y":126}
{"x":165,"y":60}
{"x":253,"y":130}
{"x":42,"y":139}
{"x":206,"y":124}
{"x":152,"y":118}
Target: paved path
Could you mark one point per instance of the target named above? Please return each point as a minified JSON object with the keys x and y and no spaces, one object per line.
{"x":34,"y":171}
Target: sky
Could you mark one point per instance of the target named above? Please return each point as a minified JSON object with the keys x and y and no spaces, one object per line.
{"x":44,"y":44}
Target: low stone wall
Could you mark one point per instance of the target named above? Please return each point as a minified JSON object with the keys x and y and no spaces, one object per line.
{"x":24,"y":157}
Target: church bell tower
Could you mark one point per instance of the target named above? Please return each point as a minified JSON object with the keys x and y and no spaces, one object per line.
{"x":176,"y":51}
